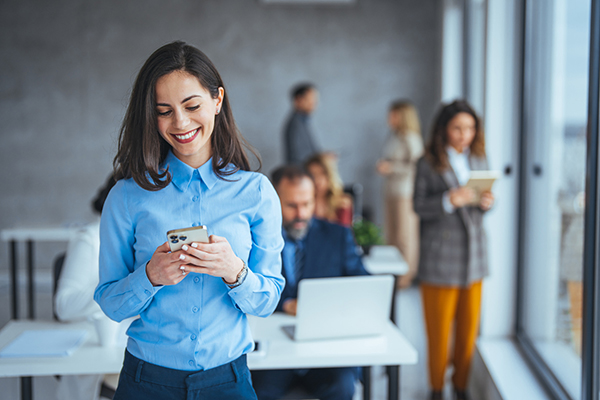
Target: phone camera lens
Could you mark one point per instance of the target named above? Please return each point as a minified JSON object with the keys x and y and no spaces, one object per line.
{"x":172,"y":237}
{"x":184,"y":238}
{"x":174,"y":240}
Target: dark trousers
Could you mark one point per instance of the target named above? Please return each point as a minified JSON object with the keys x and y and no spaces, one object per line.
{"x":140,"y":380}
{"x":323,"y":383}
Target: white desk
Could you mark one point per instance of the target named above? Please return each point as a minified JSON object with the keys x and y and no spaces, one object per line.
{"x":90,"y":358}
{"x":30,"y":235}
{"x":391,"y":349}
{"x":385,"y":260}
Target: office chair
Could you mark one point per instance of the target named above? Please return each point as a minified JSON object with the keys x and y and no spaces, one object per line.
{"x":57,"y":267}
{"x":106,"y":391}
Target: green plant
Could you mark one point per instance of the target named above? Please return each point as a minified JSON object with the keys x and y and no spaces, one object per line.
{"x":367,"y":233}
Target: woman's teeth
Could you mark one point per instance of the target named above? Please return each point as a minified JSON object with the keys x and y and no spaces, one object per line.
{"x":187,"y":135}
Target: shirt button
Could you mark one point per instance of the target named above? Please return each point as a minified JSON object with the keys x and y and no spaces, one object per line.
{"x":195,"y":309}
{"x":147,"y":292}
{"x":191,"y":362}
{"x":193,"y":337}
{"x":196,"y":279}
{"x":195,"y":198}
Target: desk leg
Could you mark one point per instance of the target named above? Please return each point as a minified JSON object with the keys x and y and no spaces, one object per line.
{"x":14,"y":281}
{"x":26,"y":388}
{"x":366,"y":381}
{"x":393,"y":372}
{"x":393,"y":311}
{"x":30,"y":287}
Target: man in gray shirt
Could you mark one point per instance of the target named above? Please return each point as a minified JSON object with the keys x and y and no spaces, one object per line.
{"x":298,"y":139}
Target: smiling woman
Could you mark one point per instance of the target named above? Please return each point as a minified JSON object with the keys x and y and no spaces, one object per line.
{"x":185,"y":78}
{"x":181,"y":163}
{"x":186,"y":116}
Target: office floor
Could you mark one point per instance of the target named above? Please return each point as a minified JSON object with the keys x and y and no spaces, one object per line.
{"x":413,"y":379}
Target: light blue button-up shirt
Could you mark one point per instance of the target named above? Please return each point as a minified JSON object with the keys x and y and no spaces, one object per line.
{"x":198,"y":323}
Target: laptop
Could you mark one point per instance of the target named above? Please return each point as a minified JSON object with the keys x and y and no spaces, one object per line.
{"x":345,"y":307}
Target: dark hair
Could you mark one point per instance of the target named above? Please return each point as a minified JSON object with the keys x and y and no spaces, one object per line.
{"x":301,"y":89}
{"x":290,"y":172}
{"x":98,"y":201}
{"x":436,"y":149}
{"x":141,"y":147}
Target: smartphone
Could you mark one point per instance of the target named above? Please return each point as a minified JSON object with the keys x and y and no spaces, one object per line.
{"x":179,"y":237}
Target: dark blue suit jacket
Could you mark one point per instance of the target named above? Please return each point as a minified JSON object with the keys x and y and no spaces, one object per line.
{"x":330,"y":252}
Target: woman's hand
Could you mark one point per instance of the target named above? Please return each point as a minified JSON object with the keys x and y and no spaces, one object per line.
{"x":215,"y":258}
{"x":462,"y":196}
{"x":487,"y":200}
{"x":164,"y":268}
{"x":384,"y":167}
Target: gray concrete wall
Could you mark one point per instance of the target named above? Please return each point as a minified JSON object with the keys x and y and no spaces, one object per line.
{"x":66,"y":68}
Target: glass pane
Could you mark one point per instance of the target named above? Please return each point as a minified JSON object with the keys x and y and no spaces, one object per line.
{"x":556,"y":112}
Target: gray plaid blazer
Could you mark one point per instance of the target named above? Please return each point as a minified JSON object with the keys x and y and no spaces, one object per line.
{"x":453,"y":246}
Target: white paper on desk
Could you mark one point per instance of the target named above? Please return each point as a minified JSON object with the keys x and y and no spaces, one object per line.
{"x":45,"y":343}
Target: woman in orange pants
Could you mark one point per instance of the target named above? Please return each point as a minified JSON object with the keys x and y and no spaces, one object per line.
{"x":453,"y":246}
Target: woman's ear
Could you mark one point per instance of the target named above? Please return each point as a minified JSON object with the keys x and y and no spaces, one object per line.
{"x":219,"y":99}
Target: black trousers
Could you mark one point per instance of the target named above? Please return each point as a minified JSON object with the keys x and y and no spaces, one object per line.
{"x":140,"y":380}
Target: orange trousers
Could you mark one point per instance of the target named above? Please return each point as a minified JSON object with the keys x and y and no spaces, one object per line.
{"x":445,"y":306}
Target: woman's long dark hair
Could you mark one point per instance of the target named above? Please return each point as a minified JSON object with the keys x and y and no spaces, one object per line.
{"x":141,"y":147}
{"x":436,"y":149}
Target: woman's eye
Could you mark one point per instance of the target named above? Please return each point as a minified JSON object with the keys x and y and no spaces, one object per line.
{"x":164,"y":113}
{"x":193,"y":108}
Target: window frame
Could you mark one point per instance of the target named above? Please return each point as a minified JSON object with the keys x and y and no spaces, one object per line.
{"x":590,"y":386}
{"x":591,"y":288}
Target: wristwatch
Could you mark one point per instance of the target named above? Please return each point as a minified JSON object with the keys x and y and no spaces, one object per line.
{"x":240,"y":278}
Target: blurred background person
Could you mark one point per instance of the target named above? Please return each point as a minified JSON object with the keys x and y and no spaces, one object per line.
{"x":74,"y":300}
{"x":453,"y":259}
{"x":403,"y":147}
{"x":314,"y":248}
{"x":331,"y":203}
{"x":299,"y":141}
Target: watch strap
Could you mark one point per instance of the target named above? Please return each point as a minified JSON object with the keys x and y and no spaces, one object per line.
{"x":240,"y":278}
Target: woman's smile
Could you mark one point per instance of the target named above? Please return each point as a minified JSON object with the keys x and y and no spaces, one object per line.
{"x":186,"y":137}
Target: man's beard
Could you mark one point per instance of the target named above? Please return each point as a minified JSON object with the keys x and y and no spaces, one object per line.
{"x":295,"y":233}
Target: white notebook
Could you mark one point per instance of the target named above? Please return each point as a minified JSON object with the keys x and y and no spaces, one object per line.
{"x":45,"y":343}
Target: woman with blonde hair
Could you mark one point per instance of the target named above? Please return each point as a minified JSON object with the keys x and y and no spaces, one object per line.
{"x":403,"y":148}
{"x":331,"y":203}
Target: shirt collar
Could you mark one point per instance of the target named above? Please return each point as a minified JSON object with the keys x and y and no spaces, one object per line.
{"x":182,"y":173}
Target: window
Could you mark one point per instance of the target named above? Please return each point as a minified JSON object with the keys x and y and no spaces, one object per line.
{"x":554,"y":148}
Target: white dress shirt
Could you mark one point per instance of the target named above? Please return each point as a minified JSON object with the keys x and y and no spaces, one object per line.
{"x":459,"y":162}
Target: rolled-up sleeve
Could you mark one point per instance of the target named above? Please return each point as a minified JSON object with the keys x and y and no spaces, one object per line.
{"x":260,"y":292}
{"x":122,"y":291}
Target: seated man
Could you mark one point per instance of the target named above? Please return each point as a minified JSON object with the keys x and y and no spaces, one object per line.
{"x":313,"y":249}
